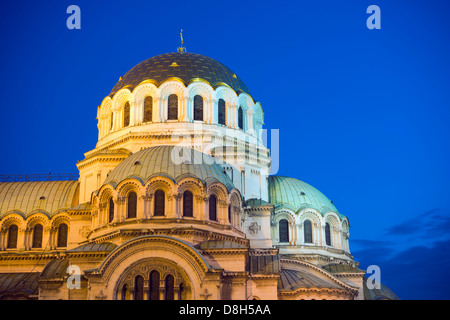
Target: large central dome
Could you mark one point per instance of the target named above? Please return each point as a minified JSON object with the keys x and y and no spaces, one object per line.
{"x":185,"y":66}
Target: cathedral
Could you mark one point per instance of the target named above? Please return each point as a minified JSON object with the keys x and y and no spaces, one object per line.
{"x":176,"y":202}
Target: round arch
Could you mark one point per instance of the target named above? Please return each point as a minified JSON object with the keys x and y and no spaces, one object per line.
{"x":191,"y":265}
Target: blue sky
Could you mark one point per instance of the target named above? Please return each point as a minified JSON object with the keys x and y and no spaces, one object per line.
{"x":363,"y":114}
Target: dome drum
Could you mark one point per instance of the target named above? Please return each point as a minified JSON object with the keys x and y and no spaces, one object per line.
{"x":155,"y":92}
{"x":148,"y":187}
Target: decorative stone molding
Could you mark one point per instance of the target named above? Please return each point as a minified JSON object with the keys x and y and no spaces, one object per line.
{"x":254,"y":228}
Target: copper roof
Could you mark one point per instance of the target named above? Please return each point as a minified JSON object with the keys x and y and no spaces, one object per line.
{"x":19,"y":283}
{"x":219,"y":244}
{"x":26,"y":198}
{"x":55,"y":269}
{"x":94,"y":247}
{"x":185,"y":66}
{"x":342,"y":268}
{"x":297,"y":195}
{"x":158,"y":161}
{"x":380,"y":293}
{"x":293,"y":279}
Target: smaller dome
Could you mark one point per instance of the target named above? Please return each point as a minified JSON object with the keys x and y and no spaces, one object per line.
{"x":158,"y":161}
{"x":383,"y":293}
{"x":297,"y":195}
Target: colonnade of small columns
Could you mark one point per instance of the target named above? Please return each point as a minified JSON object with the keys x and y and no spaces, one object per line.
{"x":296,"y":235}
{"x":25,"y":235}
{"x":185,"y":114}
{"x":173,"y":209}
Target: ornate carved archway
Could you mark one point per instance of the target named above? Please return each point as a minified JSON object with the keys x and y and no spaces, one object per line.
{"x":164,"y":254}
{"x":181,"y":285}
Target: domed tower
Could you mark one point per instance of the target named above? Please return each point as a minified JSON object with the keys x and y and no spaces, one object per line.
{"x":151,"y":192}
{"x":182,"y":99}
{"x":306,"y":224}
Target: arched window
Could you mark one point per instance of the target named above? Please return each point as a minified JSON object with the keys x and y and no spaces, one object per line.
{"x":131,"y":205}
{"x":126,"y":115}
{"x":12,"y":236}
{"x":125,"y":293}
{"x":198,"y":108}
{"x":172,"y":106}
{"x":222,"y":112}
{"x":139,"y":288}
{"x":212,"y":208}
{"x":169,"y":283}
{"x":160,"y":199}
{"x":148,"y":109}
{"x":37,"y":236}
{"x":328,"y":234}
{"x":111,"y":210}
{"x":154,"y":285}
{"x":283,"y":229}
{"x":62,"y":235}
{"x":307,"y":231}
{"x":111,"y":121}
{"x":241,"y":118}
{"x":229,"y":214}
{"x":188,"y":202}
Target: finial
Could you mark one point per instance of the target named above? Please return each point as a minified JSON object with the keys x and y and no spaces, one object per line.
{"x":181,"y":49}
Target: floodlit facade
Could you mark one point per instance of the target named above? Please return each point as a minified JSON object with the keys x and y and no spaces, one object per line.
{"x":176,"y":202}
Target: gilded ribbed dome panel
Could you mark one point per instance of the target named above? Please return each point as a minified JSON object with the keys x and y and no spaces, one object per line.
{"x":186,"y":66}
{"x":155,"y":161}
{"x":296,"y":194}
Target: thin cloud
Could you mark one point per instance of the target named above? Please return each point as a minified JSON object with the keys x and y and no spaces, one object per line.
{"x":432,"y":223}
{"x":418,"y":272}
{"x":412,"y":256}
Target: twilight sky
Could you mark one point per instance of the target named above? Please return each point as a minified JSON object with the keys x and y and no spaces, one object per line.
{"x":363,"y":114}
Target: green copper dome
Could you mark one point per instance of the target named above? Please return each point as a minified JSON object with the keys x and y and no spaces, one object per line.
{"x":185,"y":66}
{"x":163,"y":161}
{"x":297,"y":195}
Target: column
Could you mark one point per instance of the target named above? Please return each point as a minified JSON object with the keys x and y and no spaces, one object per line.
{"x":222,"y":215}
{"x":186,"y":108}
{"x":100,"y":214}
{"x":132,"y":113}
{"x":233,"y":116}
{"x":27,"y":238}
{"x":3,"y":235}
{"x":161,"y":289}
{"x":200,"y":208}
{"x":177,"y":211}
{"x":138,"y":108}
{"x":147,"y":206}
{"x":248,"y":124}
{"x":146,"y":290}
{"x":46,"y":236}
{"x":53,"y":232}
{"x":119,"y":209}
{"x":161,"y":114}
{"x":214,"y":111}
{"x":115,"y":125}
{"x":20,"y":238}
{"x":155,"y":111}
{"x":205,"y":213}
{"x":176,"y":293}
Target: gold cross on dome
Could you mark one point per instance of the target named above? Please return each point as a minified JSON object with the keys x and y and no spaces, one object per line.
{"x":181,"y":49}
